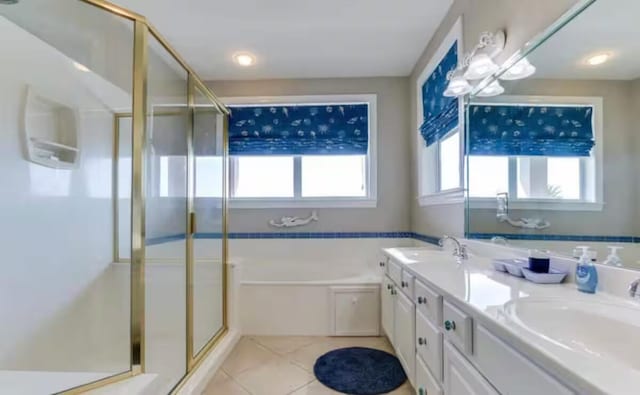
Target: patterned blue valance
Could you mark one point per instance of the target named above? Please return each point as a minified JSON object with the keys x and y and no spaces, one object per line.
{"x":319,"y":129}
{"x":440,"y":112}
{"x":530,"y":130}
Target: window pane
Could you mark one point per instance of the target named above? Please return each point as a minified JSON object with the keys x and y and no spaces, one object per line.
{"x":207,"y":169}
{"x":450,"y":162}
{"x":488,"y":175}
{"x":337,"y":176}
{"x":264,"y":176}
{"x":563,"y":178}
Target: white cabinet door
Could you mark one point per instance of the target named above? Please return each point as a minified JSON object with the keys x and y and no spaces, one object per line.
{"x":388,"y":306}
{"x":460,"y":377}
{"x":426,"y":384}
{"x":405,"y":328}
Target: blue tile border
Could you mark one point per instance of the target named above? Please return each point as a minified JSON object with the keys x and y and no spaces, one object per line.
{"x":389,"y":235}
{"x":547,"y":237}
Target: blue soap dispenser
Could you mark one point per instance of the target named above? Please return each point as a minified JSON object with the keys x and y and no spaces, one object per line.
{"x":586,"y":273}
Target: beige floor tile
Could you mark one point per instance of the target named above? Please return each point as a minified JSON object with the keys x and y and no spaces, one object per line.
{"x":306,"y":357}
{"x":315,"y":388}
{"x":277,"y":377}
{"x":404,"y":389}
{"x":285,"y":344}
{"x":247,"y":354}
{"x":223,"y":384}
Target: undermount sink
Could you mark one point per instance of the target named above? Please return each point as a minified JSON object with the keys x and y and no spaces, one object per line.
{"x":603,"y":330}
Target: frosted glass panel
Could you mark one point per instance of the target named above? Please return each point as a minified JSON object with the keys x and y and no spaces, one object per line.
{"x":208,"y":206}
{"x":166,"y":213}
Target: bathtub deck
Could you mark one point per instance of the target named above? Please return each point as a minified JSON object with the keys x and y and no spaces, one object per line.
{"x":282,"y":365}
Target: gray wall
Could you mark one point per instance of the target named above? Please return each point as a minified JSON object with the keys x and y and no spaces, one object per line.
{"x":619,"y":166}
{"x":522,"y":21}
{"x":392,"y":212}
{"x":635,"y":93}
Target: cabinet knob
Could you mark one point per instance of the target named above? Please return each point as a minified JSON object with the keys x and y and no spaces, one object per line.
{"x":450,"y":325}
{"x":381,"y":264}
{"x":404,"y":284}
{"x":422,"y":341}
{"x":393,"y":292}
{"x":422,"y":300}
{"x":388,"y":286}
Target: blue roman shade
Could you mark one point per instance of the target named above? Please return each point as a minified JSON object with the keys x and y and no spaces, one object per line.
{"x":440,"y":112}
{"x":319,"y":129}
{"x":530,"y":130}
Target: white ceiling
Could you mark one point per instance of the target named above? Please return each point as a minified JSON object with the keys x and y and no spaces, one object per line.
{"x":296,"y":38}
{"x":610,"y":26}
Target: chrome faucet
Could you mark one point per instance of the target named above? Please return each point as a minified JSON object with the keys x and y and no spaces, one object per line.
{"x":460,"y":251}
{"x":634,"y":290}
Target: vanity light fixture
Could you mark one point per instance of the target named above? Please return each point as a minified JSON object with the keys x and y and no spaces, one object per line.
{"x":493,"y":89}
{"x":244,"y":59}
{"x":477,"y":64}
{"x":81,"y":67}
{"x":458,"y":85}
{"x":518,"y":71}
{"x":598,"y":59}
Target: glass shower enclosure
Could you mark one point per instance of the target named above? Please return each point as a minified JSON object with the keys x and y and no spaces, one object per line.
{"x":113,"y":163}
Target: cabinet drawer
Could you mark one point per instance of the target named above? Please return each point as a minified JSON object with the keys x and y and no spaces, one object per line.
{"x":426,"y":384}
{"x":407,"y":284}
{"x":395,"y":272}
{"x":428,"y":302}
{"x":492,"y":355}
{"x":458,"y":327}
{"x":429,"y":345}
{"x":461,"y":378}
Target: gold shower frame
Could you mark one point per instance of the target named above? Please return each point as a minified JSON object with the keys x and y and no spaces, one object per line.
{"x":142,"y":30}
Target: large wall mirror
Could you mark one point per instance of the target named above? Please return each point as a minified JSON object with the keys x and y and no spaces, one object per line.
{"x":554,"y":160}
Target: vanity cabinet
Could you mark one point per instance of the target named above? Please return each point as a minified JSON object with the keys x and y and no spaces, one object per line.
{"x":388,"y":307}
{"x":446,"y":350}
{"x":404,"y":330}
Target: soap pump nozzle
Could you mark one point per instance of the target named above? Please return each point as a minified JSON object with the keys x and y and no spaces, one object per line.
{"x":613,"y":259}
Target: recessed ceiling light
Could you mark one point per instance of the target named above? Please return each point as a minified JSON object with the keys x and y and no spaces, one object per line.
{"x":80,"y":67}
{"x":244,"y":59}
{"x":598,"y":59}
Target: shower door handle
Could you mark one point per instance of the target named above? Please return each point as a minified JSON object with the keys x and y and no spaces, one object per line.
{"x":193,"y":226}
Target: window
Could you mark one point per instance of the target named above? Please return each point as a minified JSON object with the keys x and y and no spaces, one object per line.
{"x":439,"y":139}
{"x":532,"y":178}
{"x":557,"y":181}
{"x":299,"y":179}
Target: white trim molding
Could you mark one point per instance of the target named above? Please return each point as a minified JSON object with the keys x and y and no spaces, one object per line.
{"x":368,"y":201}
{"x":451,"y":196}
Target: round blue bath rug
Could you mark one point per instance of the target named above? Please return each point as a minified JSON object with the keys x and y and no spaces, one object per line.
{"x":359,"y":371}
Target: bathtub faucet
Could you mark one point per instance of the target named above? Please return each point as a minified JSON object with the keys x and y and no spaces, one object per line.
{"x":460,"y":251}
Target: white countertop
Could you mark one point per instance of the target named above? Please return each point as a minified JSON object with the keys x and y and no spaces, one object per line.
{"x":487,"y":294}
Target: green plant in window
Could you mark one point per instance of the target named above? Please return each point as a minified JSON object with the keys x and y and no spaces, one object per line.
{"x":554,"y":191}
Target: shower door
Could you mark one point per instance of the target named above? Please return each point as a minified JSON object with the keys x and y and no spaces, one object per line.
{"x":206,"y":279}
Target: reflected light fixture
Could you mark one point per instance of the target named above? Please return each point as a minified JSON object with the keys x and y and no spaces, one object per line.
{"x":493,"y":89}
{"x":244,"y":59}
{"x":458,"y":85}
{"x":522,"y":69}
{"x":598,"y":59}
{"x":81,"y":67}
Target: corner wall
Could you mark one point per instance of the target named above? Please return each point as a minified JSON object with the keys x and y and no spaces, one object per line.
{"x":522,"y":21}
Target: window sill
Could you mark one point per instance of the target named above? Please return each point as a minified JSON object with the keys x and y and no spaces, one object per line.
{"x":451,"y":196}
{"x":250,"y":203}
{"x":538,"y":204}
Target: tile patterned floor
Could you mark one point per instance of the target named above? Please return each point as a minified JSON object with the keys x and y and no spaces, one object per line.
{"x":274,"y":365}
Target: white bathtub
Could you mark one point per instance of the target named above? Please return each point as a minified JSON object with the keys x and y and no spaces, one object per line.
{"x":297,"y":298}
